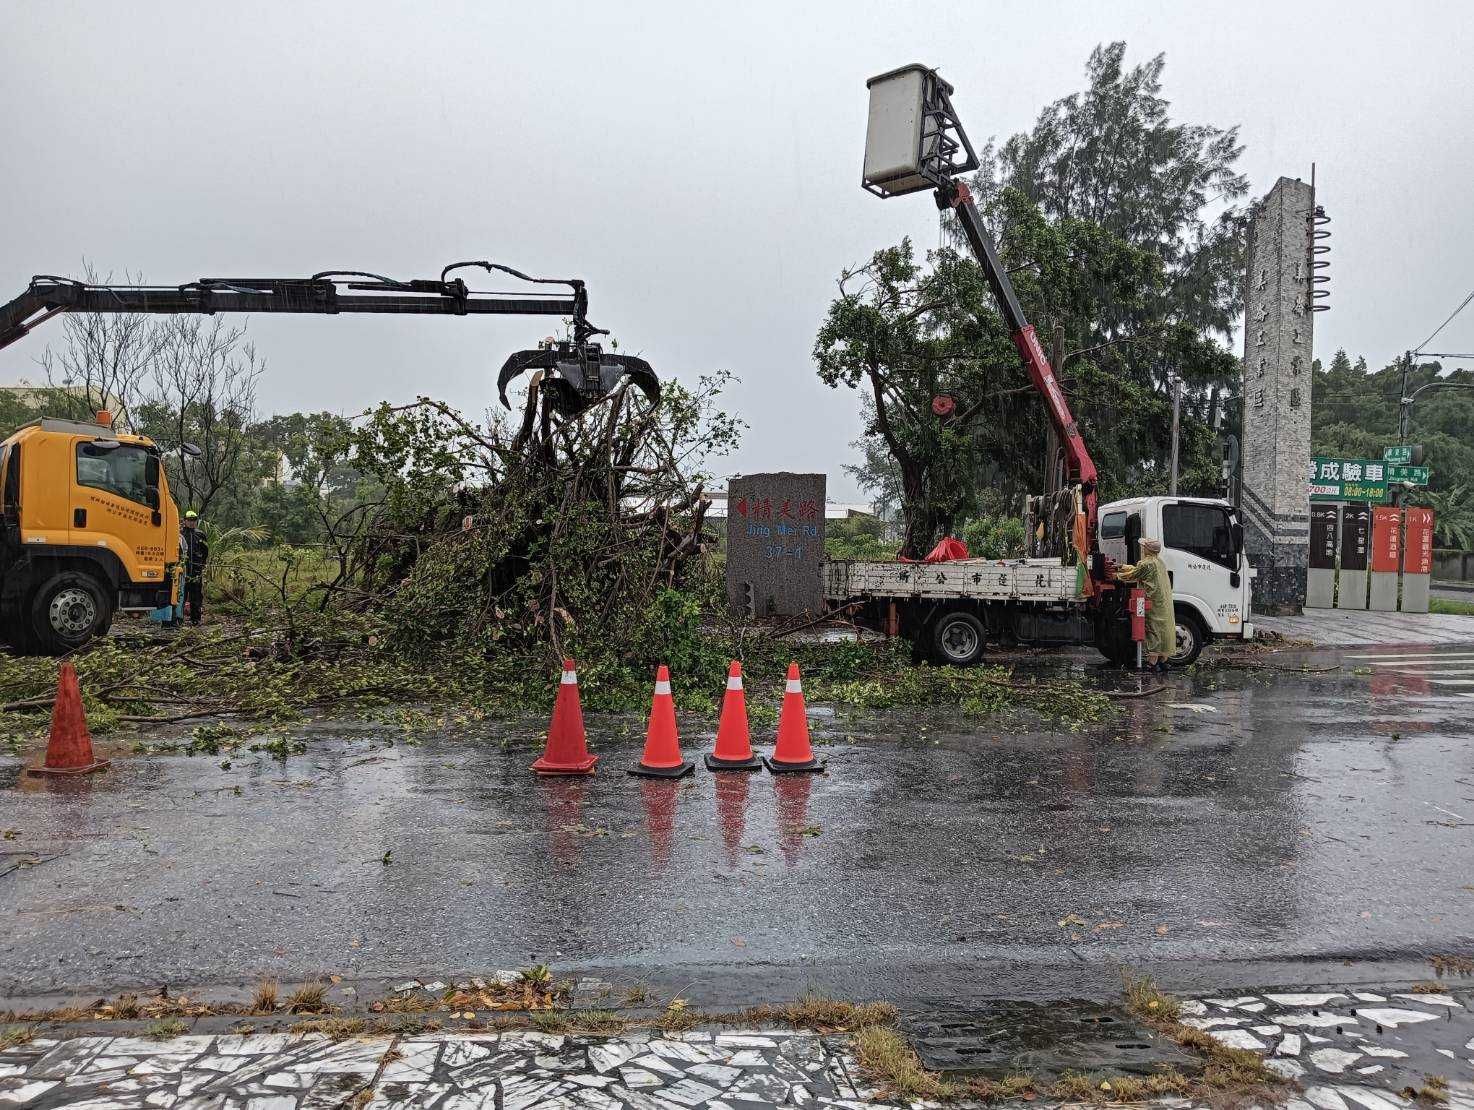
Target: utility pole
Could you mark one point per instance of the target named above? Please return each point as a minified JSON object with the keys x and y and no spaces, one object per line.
{"x":1176,"y":420}
{"x":1403,"y":404}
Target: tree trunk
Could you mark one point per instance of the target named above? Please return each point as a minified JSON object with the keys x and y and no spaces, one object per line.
{"x":920,"y":530}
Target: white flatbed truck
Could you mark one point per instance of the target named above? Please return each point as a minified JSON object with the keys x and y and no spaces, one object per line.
{"x":950,"y":611}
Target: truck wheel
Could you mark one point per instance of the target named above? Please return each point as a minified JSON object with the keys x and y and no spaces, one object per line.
{"x":1191,"y":636}
{"x":958,"y":638}
{"x":1113,"y":640}
{"x":68,"y":610}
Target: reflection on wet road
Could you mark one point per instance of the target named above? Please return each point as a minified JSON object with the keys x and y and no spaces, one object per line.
{"x":1241,"y":815}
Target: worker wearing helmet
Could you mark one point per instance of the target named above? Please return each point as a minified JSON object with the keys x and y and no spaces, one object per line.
{"x":1150,"y":573}
{"x":195,"y":553}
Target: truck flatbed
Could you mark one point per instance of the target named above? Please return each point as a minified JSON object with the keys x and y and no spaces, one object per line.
{"x":972,"y":579}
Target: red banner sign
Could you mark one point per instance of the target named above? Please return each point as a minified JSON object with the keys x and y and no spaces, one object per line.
{"x":1417,"y":553}
{"x":1386,"y":540}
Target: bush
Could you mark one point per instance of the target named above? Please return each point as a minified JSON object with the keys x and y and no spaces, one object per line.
{"x":858,"y":537}
{"x":994,"y":537}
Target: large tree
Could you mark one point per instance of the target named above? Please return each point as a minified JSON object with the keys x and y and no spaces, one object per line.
{"x":906,"y":333}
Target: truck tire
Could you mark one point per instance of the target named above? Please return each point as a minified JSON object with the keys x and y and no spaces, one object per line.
{"x":68,"y":610}
{"x":1113,"y":639}
{"x":957,"y":639}
{"x":1191,"y":638}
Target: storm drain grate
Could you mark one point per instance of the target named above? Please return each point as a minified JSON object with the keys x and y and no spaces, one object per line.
{"x":1045,"y":1040}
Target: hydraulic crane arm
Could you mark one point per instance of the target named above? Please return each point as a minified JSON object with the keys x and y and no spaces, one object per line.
{"x":578,"y":372}
{"x":325,"y":293}
{"x":915,"y":141}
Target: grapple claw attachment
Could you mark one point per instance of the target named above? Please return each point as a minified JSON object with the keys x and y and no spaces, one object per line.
{"x":576,"y":375}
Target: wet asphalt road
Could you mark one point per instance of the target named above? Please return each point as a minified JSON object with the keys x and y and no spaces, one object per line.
{"x":1249,"y":826}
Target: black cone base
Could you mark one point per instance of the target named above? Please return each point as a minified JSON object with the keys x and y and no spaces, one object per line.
{"x":751,"y":763}
{"x":680,"y":771}
{"x":780,"y":768}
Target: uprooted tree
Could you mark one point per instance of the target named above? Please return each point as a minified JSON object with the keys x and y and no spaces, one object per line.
{"x":560,"y":533}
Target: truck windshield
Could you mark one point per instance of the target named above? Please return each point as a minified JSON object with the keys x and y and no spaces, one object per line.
{"x":119,"y":470}
{"x":1201,"y":530}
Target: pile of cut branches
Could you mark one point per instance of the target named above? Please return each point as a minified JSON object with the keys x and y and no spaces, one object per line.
{"x":560,"y":535}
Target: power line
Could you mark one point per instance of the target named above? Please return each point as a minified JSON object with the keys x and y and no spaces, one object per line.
{"x":1462,"y":305}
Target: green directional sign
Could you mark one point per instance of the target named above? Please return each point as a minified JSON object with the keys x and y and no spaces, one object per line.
{"x":1348,"y":480}
{"x":1402,"y":454}
{"x":1408,"y":475}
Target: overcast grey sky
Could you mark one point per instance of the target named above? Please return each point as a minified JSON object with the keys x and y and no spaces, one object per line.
{"x":697,"y":163}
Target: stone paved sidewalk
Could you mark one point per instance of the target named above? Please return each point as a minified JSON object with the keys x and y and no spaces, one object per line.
{"x":1353,"y":1049}
{"x":507,"y":1071}
{"x":1358,"y":628}
{"x":1348,"y":1050}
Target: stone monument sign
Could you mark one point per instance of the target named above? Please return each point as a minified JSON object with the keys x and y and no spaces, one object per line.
{"x":775,"y":544}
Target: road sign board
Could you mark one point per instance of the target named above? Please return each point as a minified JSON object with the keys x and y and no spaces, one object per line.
{"x":1348,"y":480}
{"x":1401,"y":454}
{"x":1410,"y":475}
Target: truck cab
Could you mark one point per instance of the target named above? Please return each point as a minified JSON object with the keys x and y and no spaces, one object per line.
{"x":1203,"y":550}
{"x":87,"y":528}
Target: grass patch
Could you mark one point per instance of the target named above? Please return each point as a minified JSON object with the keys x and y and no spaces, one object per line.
{"x":890,"y":1061}
{"x":13,"y":1036}
{"x":677,"y":1017}
{"x":309,"y":998}
{"x":165,"y":1028}
{"x":1427,"y":986}
{"x":1434,"y":1089}
{"x":1233,"y":1070}
{"x":1452,"y":608}
{"x":1452,"y":965}
{"x":1076,"y":1087}
{"x":823,"y":1015}
{"x":551,"y":1021}
{"x":1147,"y":1002}
{"x":264,"y":1001}
{"x":596,"y":1021}
{"x":334,"y":1028}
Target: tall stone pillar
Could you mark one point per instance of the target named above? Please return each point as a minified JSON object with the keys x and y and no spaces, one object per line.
{"x":1278,"y":329}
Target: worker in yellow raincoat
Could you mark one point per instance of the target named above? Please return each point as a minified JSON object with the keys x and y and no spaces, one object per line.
{"x":1150,"y":573}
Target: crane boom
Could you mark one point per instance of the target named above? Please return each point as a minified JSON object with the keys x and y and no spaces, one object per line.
{"x":1081,"y":468}
{"x":325,"y":293}
{"x":576,"y":372}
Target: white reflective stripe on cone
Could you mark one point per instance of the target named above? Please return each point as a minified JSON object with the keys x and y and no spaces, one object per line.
{"x":793,"y":686}
{"x":734,"y":683}
{"x":662,"y":687}
{"x":570,"y":678}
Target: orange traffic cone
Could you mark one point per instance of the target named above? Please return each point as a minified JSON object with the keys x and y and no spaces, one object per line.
{"x":662,"y":758}
{"x":69,"y":750}
{"x":734,"y":743}
{"x":792,"y":752}
{"x":567,"y":751}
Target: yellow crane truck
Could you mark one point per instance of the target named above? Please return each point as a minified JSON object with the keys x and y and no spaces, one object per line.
{"x":87,"y":528}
